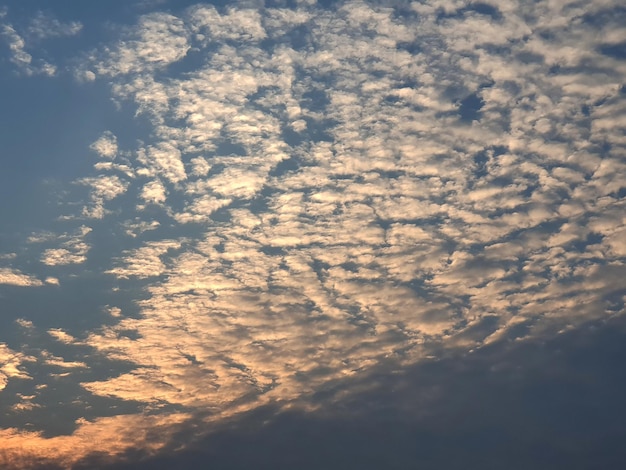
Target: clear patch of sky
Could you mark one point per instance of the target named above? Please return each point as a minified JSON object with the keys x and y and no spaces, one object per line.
{"x":47,"y":126}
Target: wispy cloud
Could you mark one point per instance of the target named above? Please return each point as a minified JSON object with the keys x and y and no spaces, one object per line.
{"x":22,"y":41}
{"x":72,"y":251}
{"x":19,"y":55}
{"x":44,"y":26}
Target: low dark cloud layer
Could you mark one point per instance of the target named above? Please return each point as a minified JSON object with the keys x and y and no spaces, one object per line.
{"x":544,"y":405}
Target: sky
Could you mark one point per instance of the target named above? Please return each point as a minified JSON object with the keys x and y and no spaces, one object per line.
{"x":312,"y":234}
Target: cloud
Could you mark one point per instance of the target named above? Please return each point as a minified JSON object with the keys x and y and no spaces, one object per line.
{"x":14,"y":277}
{"x":145,"y":261}
{"x":56,"y":361}
{"x":45,"y":26}
{"x":105,"y":145}
{"x":61,"y":336}
{"x":236,"y":25}
{"x":116,"y":434}
{"x":164,"y":160}
{"x":103,"y":188}
{"x":19,"y":55}
{"x":394,"y":224}
{"x":324,"y":191}
{"x":134,"y":229}
{"x":567,"y":390}
{"x":72,"y":251}
{"x":11,"y":365}
{"x":158,"y":40}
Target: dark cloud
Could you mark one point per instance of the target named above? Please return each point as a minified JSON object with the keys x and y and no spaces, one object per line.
{"x":544,"y":404}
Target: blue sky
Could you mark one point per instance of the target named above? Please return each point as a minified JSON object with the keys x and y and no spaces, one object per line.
{"x":231,"y":223}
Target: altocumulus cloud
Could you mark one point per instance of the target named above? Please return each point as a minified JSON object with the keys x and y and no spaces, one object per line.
{"x":327,"y":190}
{"x":22,"y":41}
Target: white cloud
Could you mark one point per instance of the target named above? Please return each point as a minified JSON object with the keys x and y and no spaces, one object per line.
{"x":164,"y":160}
{"x":11,"y":363}
{"x":200,"y":166}
{"x":16,"y":44}
{"x":158,"y":40}
{"x":14,"y":277}
{"x":72,"y":251}
{"x":134,"y":229}
{"x":51,"y":360}
{"x":105,"y":145}
{"x":20,"y":57}
{"x":61,"y":336}
{"x":154,"y":192}
{"x":145,"y":261}
{"x":236,"y":25}
{"x":201,"y":209}
{"x":105,"y":187}
{"x":53,"y":281}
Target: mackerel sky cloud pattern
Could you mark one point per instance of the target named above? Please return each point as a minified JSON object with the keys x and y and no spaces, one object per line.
{"x":297,"y":195}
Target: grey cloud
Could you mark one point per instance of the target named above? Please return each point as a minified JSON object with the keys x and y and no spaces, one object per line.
{"x":44,"y":26}
{"x":417,"y":414}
